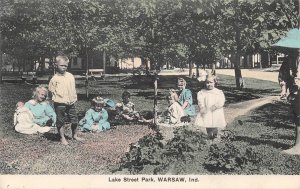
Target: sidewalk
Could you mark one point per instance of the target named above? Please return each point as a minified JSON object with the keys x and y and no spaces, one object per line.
{"x":251,"y":73}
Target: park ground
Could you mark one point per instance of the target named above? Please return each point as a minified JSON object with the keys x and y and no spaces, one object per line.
{"x":265,"y":127}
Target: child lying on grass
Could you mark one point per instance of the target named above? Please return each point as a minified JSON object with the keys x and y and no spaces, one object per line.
{"x":24,"y":121}
{"x":95,"y":119}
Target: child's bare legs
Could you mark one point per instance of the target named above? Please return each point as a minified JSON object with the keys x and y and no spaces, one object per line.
{"x":61,"y":132}
{"x":212,"y":132}
{"x":74,"y":128}
{"x":283,"y":93}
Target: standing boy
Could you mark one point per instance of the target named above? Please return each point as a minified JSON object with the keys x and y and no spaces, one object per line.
{"x":64,"y":96}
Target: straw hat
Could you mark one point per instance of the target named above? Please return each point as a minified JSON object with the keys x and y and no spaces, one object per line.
{"x":98,"y":100}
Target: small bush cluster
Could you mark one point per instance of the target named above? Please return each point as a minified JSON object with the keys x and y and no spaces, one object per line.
{"x":226,"y":157}
{"x":151,"y":156}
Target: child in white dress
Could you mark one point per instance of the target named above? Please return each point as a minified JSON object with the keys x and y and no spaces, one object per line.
{"x":211,"y":116}
{"x":174,"y":113}
{"x":24,"y":121}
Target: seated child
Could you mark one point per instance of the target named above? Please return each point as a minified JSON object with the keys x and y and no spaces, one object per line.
{"x":40,"y":107}
{"x":95,"y":118}
{"x":24,"y":121}
{"x":125,"y":109}
{"x":174,"y":114}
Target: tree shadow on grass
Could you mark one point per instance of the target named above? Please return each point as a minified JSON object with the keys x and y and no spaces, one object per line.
{"x":256,"y":141}
{"x":54,"y":136}
{"x":164,"y":82}
{"x":286,"y":137}
{"x":234,"y":95}
{"x":150,"y":95}
{"x":276,"y":115}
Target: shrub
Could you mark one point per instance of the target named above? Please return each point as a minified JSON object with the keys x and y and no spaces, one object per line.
{"x":226,"y":157}
{"x":150,"y":156}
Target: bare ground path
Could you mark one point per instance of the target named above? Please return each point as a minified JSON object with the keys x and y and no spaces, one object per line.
{"x":250,"y":73}
{"x":234,"y":110}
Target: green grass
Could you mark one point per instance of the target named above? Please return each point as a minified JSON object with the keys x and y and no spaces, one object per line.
{"x":42,"y":154}
{"x":265,"y":131}
{"x":269,"y":130}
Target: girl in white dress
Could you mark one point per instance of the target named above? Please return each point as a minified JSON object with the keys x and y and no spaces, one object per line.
{"x":211,"y":116}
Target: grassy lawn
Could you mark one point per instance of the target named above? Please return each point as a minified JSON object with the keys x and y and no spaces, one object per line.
{"x":253,"y":145}
{"x":42,"y":154}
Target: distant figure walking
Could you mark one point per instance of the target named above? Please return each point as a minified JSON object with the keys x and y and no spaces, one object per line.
{"x":285,"y":79}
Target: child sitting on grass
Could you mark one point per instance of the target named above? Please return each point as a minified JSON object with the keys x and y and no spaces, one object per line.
{"x":211,"y":116}
{"x":174,"y":113}
{"x":95,"y":119}
{"x":125,"y":109}
{"x":40,"y":107}
{"x":24,"y":121}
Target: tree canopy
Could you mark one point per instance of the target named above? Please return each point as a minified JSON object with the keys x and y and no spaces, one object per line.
{"x":198,"y":31}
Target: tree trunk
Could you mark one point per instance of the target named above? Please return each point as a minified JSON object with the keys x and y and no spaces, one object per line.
{"x":152,"y":63}
{"x":238,"y":74}
{"x":190,"y":69}
{"x":213,"y":69}
{"x":87,"y":75}
{"x":197,"y":70}
{"x":43,"y":65}
{"x":265,"y":59}
{"x":104,"y":61}
{"x":155,"y":100}
{"x":245,"y":61}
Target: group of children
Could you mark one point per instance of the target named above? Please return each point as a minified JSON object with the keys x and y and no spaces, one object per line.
{"x":37,"y":115}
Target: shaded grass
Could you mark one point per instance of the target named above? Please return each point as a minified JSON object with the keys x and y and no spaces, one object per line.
{"x":269,"y":130}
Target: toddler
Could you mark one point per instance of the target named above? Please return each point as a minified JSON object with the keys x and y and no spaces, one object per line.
{"x":174,"y":113}
{"x":125,"y":109}
{"x":95,"y":119}
{"x":211,"y":116}
{"x":24,"y":121}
